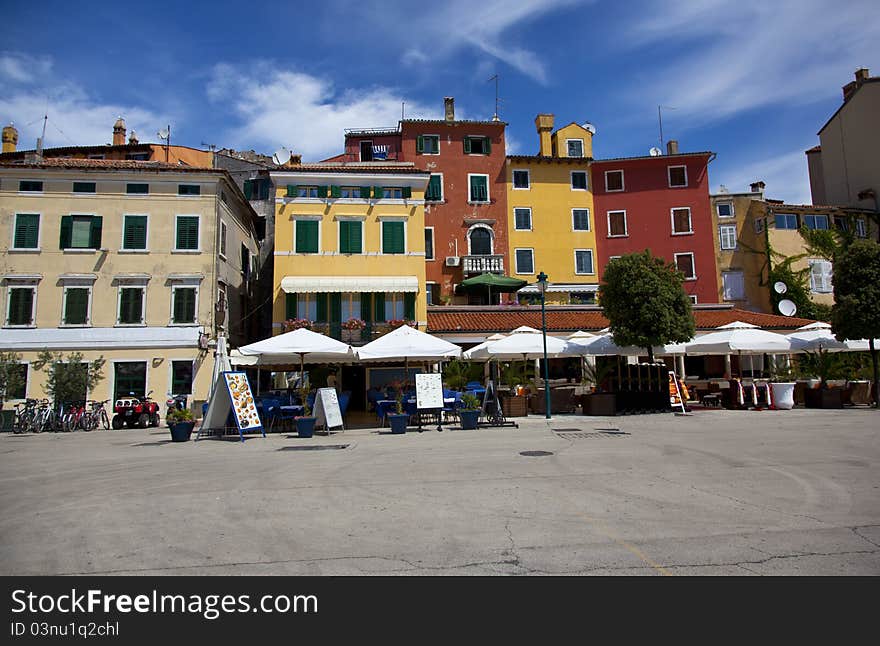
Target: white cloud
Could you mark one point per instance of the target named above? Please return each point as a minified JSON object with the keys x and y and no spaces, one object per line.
{"x":785,"y":175}
{"x":16,"y":67}
{"x":721,"y":58}
{"x":300,"y":111}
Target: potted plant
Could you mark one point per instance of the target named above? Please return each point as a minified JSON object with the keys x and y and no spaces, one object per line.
{"x":470,"y":412}
{"x":294,"y":324}
{"x":180,"y":422}
{"x":398,"y":419}
{"x":305,"y":423}
{"x":824,"y":365}
{"x":782,"y":384}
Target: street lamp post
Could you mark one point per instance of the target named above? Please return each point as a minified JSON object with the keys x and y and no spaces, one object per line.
{"x":542,"y":283}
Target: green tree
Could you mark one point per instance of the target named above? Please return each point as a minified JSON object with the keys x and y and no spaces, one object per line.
{"x":645,"y":302}
{"x":856,"y":311}
{"x":12,"y":378}
{"x":68,"y":378}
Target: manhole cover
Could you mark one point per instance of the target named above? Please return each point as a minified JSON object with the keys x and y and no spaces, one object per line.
{"x":535,"y":454}
{"x":316,"y":447}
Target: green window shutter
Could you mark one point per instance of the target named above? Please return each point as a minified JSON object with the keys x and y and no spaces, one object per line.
{"x":66,"y":231}
{"x":290,"y":306}
{"x":406,"y":191}
{"x":392,"y":237}
{"x":435,"y":188}
{"x":467,"y":146}
{"x":356,"y":240}
{"x":335,"y":307}
{"x":248,"y":188}
{"x":322,"y":192}
{"x":27,"y":231}
{"x":335,"y":191}
{"x":409,"y":306}
{"x":365,"y":192}
{"x":420,"y":144}
{"x":76,"y":308}
{"x":321,"y":302}
{"x":379,"y":306}
{"x":306,"y":236}
{"x":264,"y":189}
{"x":365,"y":307}
{"x":345,"y":237}
{"x":131,"y":305}
{"x":184,"y":305}
{"x":21,"y":306}
{"x":188,"y":232}
{"x":487,"y":145}
{"x":95,"y":232}
{"x":378,"y":192}
{"x":291,"y":190}
{"x":135,"y":234}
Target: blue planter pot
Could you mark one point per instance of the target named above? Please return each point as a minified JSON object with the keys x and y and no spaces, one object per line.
{"x":305,"y":426}
{"x":468,"y":419}
{"x":181,"y":431}
{"x":398,"y":423}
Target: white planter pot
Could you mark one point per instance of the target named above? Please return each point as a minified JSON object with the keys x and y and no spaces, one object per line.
{"x":783,"y":395}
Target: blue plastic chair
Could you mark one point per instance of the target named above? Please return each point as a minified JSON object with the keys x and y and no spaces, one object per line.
{"x":344,"y":398}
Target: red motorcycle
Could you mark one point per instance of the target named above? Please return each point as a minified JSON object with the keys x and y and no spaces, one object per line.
{"x":135,"y":411}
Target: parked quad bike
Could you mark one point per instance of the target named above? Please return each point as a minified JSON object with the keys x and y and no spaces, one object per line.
{"x":135,"y":411}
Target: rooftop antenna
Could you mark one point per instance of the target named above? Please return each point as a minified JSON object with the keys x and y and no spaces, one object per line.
{"x":211,"y":147}
{"x":165,"y":134}
{"x":660,"y":119}
{"x":42,"y":137}
{"x":402,"y":112}
{"x":495,"y":78}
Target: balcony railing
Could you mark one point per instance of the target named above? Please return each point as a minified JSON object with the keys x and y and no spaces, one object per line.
{"x":483,"y":264}
{"x":371,"y":332}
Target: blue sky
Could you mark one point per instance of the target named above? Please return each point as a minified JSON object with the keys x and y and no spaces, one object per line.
{"x":750,"y":80}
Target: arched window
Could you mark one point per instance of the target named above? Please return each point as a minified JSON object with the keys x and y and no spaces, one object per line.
{"x":480,"y":241}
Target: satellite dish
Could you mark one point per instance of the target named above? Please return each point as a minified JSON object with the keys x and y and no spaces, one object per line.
{"x":589,"y":127}
{"x":163,"y":133}
{"x":281,"y":156}
{"x":655,"y":152}
{"x":780,"y":287}
{"x":787,"y":307}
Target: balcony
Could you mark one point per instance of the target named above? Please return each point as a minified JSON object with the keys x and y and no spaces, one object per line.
{"x":483,"y":264}
{"x":371,"y":332}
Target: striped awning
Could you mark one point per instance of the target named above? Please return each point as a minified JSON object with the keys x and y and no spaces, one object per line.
{"x":322,"y":284}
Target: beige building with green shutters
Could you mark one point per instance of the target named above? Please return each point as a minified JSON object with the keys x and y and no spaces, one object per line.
{"x":142,"y":263}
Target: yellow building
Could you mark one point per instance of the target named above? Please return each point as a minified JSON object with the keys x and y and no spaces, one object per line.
{"x":350,"y":247}
{"x":551,"y":225}
{"x":126,"y":260}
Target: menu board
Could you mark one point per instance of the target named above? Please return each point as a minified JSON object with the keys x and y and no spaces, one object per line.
{"x":429,"y":390}
{"x":242,"y":400}
{"x":327,"y":408}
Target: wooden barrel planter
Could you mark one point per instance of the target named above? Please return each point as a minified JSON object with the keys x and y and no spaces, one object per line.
{"x":515,"y":406}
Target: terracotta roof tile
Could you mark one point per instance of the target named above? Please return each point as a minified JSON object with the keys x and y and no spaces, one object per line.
{"x":106,"y":164}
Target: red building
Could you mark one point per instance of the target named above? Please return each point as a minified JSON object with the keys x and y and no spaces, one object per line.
{"x":466,"y":202}
{"x":659,"y":203}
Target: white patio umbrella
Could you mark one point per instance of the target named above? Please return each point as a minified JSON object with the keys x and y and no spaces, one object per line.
{"x":818,"y":336}
{"x":604,"y":345}
{"x":480,"y":352}
{"x":407,"y":343}
{"x":741,"y":339}
{"x":302,"y":343}
{"x":527,"y":343}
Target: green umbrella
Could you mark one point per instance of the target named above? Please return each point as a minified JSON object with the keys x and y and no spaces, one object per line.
{"x":501,"y":284}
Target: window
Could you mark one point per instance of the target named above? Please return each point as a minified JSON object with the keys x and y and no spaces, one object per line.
{"x":27,"y":231}
{"x":693,"y":298}
{"x":84,"y":187}
{"x":393,"y":238}
{"x":681,"y":221}
{"x":397,"y":306}
{"x":616,"y":224}
{"x":189,"y":189}
{"x":20,"y":305}
{"x":350,"y":306}
{"x":786,"y":221}
{"x":255,"y":189}
{"x":302,"y":191}
{"x":18,"y":390}
{"x":393,"y":193}
{"x":432,"y":293}
{"x":479,"y":188}
{"x":183,"y":305}
{"x":81,"y":232}
{"x":583,"y":261}
{"x":306,"y":236}
{"x":579,"y":180}
{"x":580,"y":219}
{"x":367,"y":150}
{"x":725,"y":209}
{"x":759,"y":225}
{"x":428,"y":144}
{"x":350,"y":192}
{"x":76,"y":306}
{"x":187,"y":238}
{"x":678,"y":176}
{"x":434,"y":192}
{"x":181,"y":377}
{"x":30,"y":186}
{"x":477,"y":145}
{"x":575,"y":147}
{"x":480,"y":241}
{"x":429,"y":243}
{"x":137,"y":189}
{"x":138,"y":156}
{"x":245,"y":257}
{"x":351,"y":236}
{"x":134,"y":232}
{"x":222,"y":239}
{"x":820,"y":277}
{"x":861,"y":229}
{"x":732,"y":285}
{"x":728,"y":236}
{"x":521,"y":179}
{"x":816,"y":221}
{"x":684,"y":262}
{"x":525,"y":261}
{"x":131,"y":305}
{"x":129,"y":379}
{"x":613,"y":180}
{"x":522,"y":219}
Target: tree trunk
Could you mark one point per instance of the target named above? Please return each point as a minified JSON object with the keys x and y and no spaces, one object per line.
{"x":650,"y":354}
{"x":876,"y":365}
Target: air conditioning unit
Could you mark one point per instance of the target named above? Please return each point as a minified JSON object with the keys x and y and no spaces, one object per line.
{"x":453,"y":261}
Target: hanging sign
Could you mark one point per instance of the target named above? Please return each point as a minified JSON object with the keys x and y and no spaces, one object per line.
{"x":327,"y":409}
{"x":429,"y":390}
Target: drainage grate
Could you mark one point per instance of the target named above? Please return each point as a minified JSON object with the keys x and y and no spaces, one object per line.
{"x":588,"y":435}
{"x":535,"y":454}
{"x":316,"y":447}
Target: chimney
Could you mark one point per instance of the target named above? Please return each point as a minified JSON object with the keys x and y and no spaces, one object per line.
{"x":672,"y":147}
{"x":544,"y":125}
{"x":862,"y":75}
{"x":449,"y":107}
{"x":132,"y":139}
{"x":757,"y":187}
{"x":10,"y":138}
{"x":119,"y":132}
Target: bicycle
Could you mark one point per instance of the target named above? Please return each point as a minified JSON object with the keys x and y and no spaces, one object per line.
{"x":24,"y":414}
{"x":98,"y":414}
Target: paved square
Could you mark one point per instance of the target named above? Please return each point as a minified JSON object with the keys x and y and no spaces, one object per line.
{"x":718,"y":492}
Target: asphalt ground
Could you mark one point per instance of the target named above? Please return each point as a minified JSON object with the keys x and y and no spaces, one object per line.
{"x":714,"y":493}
